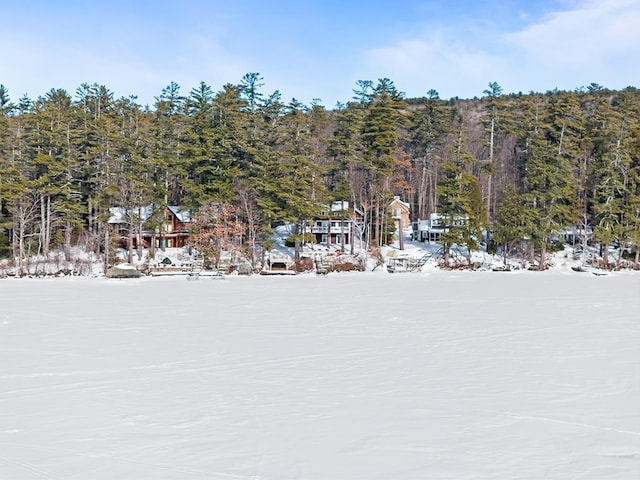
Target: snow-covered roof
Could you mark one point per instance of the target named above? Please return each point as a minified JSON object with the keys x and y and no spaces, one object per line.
{"x":397,"y":200}
{"x":340,"y":206}
{"x":181,"y":214}
{"x":121,"y":214}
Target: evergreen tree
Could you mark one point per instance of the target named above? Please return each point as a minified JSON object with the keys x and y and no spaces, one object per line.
{"x":58,"y":171}
{"x":429,"y":126}
{"x":10,"y":187}
{"x":511,"y":221}
{"x":99,"y":172}
{"x":169,"y":125}
{"x":64,"y":162}
{"x":550,"y":191}
{"x":493,"y":93}
{"x":299,"y":179}
{"x":612,"y":141}
{"x":460,"y":203}
{"x":209,"y":164}
{"x":380,"y":140}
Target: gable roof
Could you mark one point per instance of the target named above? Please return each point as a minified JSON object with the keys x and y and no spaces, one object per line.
{"x":121,"y":214}
{"x":397,"y":200}
{"x":339,"y":206}
{"x":181,"y":214}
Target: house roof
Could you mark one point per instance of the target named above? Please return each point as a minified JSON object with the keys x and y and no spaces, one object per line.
{"x":400,"y":202}
{"x":341,"y":206}
{"x":121,"y":214}
{"x":181,"y":214}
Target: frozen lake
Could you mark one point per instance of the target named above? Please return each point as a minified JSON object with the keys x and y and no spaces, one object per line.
{"x":352,"y":376}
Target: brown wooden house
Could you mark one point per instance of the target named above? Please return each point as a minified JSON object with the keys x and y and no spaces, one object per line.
{"x":167,"y":228}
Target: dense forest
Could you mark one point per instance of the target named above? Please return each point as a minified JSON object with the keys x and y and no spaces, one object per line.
{"x":522,"y":166}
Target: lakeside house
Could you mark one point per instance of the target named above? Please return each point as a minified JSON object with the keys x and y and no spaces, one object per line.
{"x":338,"y":223}
{"x":401,"y":213}
{"x":153,"y":228}
{"x":431,"y":229}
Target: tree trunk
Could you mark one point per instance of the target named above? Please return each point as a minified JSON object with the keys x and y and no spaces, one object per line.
{"x":140,"y":224}
{"x":67,"y":242}
{"x":296,"y":255}
{"x":422,"y":190}
{"x":620,"y":252}
{"x":490,"y":177}
{"x":532,"y":253}
{"x":378,"y":227}
{"x":45,"y":223}
{"x":106,"y":249}
{"x":90,"y":220}
{"x":352,"y":236}
{"x":18,"y":234}
{"x":130,"y":244}
{"x":543,"y":254}
{"x":296,"y":249}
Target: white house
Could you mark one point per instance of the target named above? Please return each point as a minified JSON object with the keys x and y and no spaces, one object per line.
{"x":430,"y":230}
{"x":338,"y":223}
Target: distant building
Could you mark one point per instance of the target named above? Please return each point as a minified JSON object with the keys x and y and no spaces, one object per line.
{"x":400,"y":212}
{"x":573,"y":234}
{"x":431,"y":229}
{"x":339,"y":223}
{"x":169,"y":230}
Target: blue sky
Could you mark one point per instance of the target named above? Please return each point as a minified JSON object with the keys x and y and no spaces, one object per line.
{"x":319,"y":48}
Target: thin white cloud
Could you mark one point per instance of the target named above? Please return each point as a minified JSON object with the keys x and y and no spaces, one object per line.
{"x":437,"y":61}
{"x":590,"y":33}
{"x":591,"y":42}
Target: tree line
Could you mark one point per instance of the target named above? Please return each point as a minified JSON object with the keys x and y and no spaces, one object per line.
{"x":522,"y":166}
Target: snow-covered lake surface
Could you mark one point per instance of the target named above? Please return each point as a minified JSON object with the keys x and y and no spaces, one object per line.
{"x":445,"y":375}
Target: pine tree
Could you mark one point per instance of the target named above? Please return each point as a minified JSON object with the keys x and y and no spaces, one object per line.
{"x":510,"y":225}
{"x":58,"y":170}
{"x":550,"y":187}
{"x":493,"y":93}
{"x":460,"y":203}
{"x":169,"y":124}
{"x":299,"y":184}
{"x":380,"y":140}
{"x":429,"y":126}
{"x":209,"y":164}
{"x":6,"y":108}
{"x":614,"y":171}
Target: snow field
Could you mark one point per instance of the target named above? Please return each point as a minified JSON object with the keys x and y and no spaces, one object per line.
{"x":447,"y":375}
